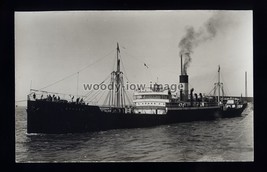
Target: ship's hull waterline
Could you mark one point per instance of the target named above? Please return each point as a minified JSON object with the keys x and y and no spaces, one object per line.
{"x":52,"y":117}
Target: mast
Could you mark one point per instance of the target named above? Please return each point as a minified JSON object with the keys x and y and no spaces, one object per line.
{"x":116,"y":96}
{"x":219,"y":85}
{"x":77,"y":93}
{"x":246,"y":93}
{"x":118,"y":77}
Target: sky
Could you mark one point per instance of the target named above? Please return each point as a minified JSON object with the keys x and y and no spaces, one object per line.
{"x":50,"y":46}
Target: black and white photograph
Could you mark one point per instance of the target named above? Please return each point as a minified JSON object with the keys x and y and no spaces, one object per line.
{"x":134,"y":86}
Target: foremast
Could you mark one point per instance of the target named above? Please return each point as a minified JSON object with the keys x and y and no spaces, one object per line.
{"x":219,"y":85}
{"x":117,"y":97}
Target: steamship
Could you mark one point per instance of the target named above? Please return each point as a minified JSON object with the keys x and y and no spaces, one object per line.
{"x":151,"y":107}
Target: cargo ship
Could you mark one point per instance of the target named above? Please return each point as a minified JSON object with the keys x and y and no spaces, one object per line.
{"x":151,"y":107}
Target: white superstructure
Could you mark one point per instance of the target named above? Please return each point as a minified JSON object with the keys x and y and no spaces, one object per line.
{"x":151,"y":100}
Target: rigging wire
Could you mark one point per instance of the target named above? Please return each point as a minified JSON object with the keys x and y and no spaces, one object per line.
{"x":95,"y":97}
{"x":124,"y":91}
{"x":215,"y":81}
{"x":77,"y":83}
{"x":97,"y":92}
{"x":125,"y":73}
{"x":143,"y":63}
{"x":90,"y":99}
{"x":134,"y":57}
{"x":106,"y":99}
{"x":97,"y":60}
{"x":149,"y":67}
{"x":121,"y":92}
{"x":101,"y":96}
{"x":114,"y":62}
{"x":77,"y":71}
{"x":225,"y":85}
{"x":94,"y":93}
{"x":86,"y":95}
{"x":127,"y":96}
{"x":211,"y":91}
{"x":58,"y":81}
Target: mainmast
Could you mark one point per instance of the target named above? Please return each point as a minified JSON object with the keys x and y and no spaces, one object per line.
{"x":116,"y":94}
{"x":246,"y":93}
{"x":219,"y":86}
{"x":118,"y":77}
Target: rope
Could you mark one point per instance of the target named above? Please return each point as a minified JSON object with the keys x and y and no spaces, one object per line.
{"x":142,"y":63}
{"x":58,"y":81}
{"x":134,"y":57}
{"x":96,"y":96}
{"x":86,"y":95}
{"x":94,"y":93}
{"x":106,"y":99}
{"x":127,"y":96}
{"x":77,"y":83}
{"x":211,"y":91}
{"x":125,"y":74}
{"x":227,"y":91}
{"x":101,"y":96}
{"x":96,"y":61}
{"x":77,"y":71}
{"x":97,"y":91}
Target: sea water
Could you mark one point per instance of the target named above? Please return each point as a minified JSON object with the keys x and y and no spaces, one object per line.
{"x":228,"y":139}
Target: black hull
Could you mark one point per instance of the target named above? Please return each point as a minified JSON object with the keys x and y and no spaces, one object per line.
{"x":233,"y":112}
{"x":52,"y":117}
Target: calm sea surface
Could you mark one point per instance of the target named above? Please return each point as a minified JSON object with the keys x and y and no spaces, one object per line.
{"x":220,"y":140}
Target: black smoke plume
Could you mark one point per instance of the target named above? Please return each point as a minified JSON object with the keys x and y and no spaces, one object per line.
{"x":217,"y":22}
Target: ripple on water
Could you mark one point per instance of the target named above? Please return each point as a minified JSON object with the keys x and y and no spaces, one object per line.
{"x":220,"y":140}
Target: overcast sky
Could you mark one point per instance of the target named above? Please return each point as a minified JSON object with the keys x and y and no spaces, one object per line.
{"x":52,"y":45}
